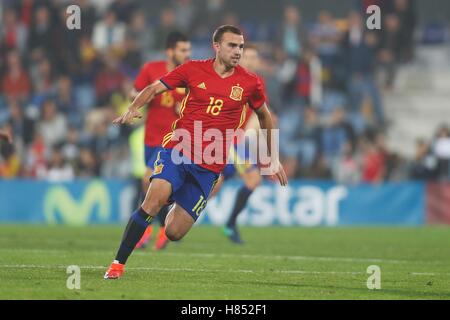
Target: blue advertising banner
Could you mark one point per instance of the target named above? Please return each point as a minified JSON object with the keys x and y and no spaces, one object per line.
{"x":301,"y":203}
{"x":75,"y":203}
{"x":313,"y":203}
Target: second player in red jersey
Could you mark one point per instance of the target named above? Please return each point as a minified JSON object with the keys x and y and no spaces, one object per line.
{"x":161,"y":111}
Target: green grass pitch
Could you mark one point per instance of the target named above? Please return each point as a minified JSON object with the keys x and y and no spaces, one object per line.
{"x":275,"y":263}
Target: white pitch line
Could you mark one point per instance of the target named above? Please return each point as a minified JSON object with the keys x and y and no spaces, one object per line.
{"x":25,"y":266}
{"x":31,"y":266}
{"x":278,"y":257}
{"x":430,"y":274}
{"x":246,"y":256}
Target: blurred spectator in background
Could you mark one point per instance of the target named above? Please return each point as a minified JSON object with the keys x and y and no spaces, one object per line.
{"x":117,"y":164}
{"x":325,"y":38}
{"x":43,"y":77}
{"x":309,"y":137}
{"x":335,"y":134}
{"x":185,"y":11}
{"x":36,"y":158}
{"x":13,"y":32}
{"x":87,"y":165}
{"x":100,"y":141}
{"x":292,"y":35}
{"x":373,"y":162}
{"x":360,"y":52}
{"x":123,"y":9}
{"x":108,"y":32}
{"x":89,"y":14}
{"x":65,"y":101}
{"x":441,"y":149}
{"x":101,"y":7}
{"x":10,"y":164}
{"x":66,"y":40}
{"x":25,"y":9}
{"x":16,"y":81}
{"x":53,"y":124}
{"x":22,"y":126}
{"x":347,"y":168}
{"x":395,"y":167}
{"x":108,"y":80}
{"x":290,"y":41}
{"x":138,"y":32}
{"x":389,"y":49}
{"x":84,"y":77}
{"x":308,"y":79}
{"x":59,"y":170}
{"x":41,"y":31}
{"x":71,"y":147}
{"x":167,"y":24}
{"x":425,"y":163}
{"x":404,"y":10}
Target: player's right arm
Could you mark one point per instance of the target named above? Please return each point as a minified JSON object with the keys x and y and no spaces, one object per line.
{"x":144,"y":97}
{"x":133,"y":94}
{"x":178,"y":77}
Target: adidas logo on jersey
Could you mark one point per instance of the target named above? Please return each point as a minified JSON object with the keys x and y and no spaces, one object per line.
{"x":202,"y":86}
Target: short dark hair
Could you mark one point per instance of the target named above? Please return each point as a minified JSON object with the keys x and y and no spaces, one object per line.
{"x":174,"y":37}
{"x":217,"y":35}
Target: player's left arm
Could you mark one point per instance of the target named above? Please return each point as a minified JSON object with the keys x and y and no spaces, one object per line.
{"x":265,"y":122}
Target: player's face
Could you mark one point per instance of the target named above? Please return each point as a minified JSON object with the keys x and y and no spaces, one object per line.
{"x":181,"y":53}
{"x":250,"y":59}
{"x":230,"y":48}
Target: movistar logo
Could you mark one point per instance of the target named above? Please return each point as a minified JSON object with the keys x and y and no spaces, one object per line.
{"x":59,"y":202}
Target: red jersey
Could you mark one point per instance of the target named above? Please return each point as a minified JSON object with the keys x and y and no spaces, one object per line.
{"x":248,"y":113}
{"x":161,"y":110}
{"x":217,"y":102}
{"x":248,"y":110}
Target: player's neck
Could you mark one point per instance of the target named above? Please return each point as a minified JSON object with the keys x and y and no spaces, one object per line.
{"x":170,"y":65}
{"x":221,"y":69}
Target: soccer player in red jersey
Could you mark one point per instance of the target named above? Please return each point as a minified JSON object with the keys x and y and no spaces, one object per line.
{"x":217,"y":91}
{"x":161,"y":113}
{"x":5,"y":134}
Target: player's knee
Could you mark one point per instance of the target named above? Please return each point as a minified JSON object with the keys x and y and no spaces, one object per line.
{"x":153,"y":205}
{"x":173,"y":234}
{"x":253,"y":182}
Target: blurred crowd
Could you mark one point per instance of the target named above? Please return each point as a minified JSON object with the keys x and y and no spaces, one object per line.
{"x":325,"y":78}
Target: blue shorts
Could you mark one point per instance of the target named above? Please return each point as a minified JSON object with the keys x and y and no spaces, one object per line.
{"x":150,"y":155}
{"x":240,"y":163}
{"x":191,"y":184}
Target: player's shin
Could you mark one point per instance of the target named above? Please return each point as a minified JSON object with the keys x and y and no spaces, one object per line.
{"x":241,"y":201}
{"x":134,"y":230}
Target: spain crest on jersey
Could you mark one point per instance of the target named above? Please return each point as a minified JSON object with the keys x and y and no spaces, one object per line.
{"x":236,"y":93}
{"x":157,"y":169}
{"x":158,"y":166}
